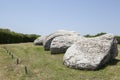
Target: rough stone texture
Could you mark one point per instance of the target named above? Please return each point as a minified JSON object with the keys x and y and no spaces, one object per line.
{"x":91,"y":53}
{"x":50,"y":37}
{"x":61,"y":43}
{"x":40,"y":40}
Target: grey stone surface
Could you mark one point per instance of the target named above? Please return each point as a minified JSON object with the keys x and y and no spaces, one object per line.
{"x":61,"y":43}
{"x":39,"y":40}
{"x":50,"y":37}
{"x":91,"y":53}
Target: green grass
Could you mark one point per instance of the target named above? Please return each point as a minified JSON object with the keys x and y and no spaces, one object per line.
{"x":41,"y":65}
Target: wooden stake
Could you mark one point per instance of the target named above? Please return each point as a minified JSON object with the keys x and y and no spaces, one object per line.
{"x":17,"y":61}
{"x":9,"y":53}
{"x":12,"y":56}
{"x":26,"y":71}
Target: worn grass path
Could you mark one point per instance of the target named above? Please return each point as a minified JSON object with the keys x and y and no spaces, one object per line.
{"x":41,"y":65}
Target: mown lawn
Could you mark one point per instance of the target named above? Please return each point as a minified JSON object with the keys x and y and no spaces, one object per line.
{"x":41,"y":65}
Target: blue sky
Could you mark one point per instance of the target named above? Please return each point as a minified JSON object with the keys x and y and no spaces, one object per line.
{"x":46,"y":16}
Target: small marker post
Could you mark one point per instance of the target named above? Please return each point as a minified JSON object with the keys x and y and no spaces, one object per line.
{"x":12,"y":56}
{"x":26,"y":71}
{"x":17,"y":61}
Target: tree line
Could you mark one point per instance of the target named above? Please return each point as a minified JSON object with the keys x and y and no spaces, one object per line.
{"x":8,"y":36}
{"x":102,"y":33}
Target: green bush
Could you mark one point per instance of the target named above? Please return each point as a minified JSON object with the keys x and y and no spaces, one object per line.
{"x":118,"y":39}
{"x":7,"y":36}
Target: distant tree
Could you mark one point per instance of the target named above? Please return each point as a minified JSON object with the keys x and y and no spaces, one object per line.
{"x":88,"y":35}
{"x":99,"y":34}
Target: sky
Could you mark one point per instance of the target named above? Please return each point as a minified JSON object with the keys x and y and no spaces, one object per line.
{"x":46,"y":16}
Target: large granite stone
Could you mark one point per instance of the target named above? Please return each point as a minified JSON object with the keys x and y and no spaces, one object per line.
{"x":39,"y":40}
{"x":50,"y":37}
{"x":61,"y":43}
{"x":91,"y":53}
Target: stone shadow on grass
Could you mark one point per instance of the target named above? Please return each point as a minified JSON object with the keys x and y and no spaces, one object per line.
{"x":56,"y":53}
{"x":111,"y":63}
{"x":114,"y":62}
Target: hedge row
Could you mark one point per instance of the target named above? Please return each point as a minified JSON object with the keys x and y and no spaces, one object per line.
{"x":7,"y":36}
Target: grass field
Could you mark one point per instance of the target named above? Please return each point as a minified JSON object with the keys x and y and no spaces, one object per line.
{"x":41,"y":65}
